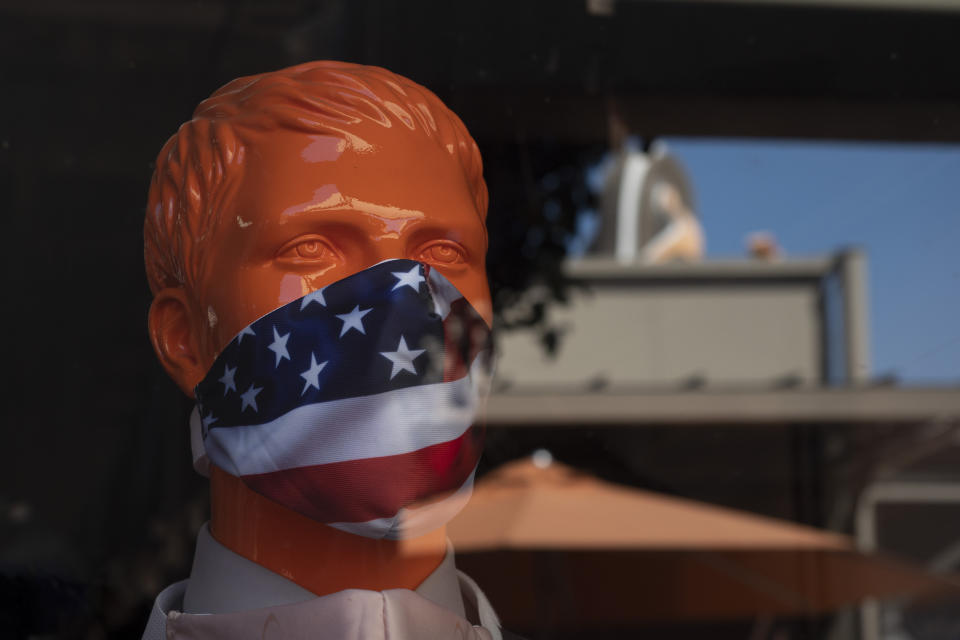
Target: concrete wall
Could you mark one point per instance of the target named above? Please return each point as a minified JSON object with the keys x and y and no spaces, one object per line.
{"x":639,"y":326}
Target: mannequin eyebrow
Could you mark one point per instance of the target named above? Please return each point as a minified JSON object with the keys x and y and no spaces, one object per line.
{"x":338,"y":202}
{"x":465,"y":233}
{"x":340,"y":211}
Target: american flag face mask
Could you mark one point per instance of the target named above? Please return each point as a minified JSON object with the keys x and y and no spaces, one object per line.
{"x":355,"y":404}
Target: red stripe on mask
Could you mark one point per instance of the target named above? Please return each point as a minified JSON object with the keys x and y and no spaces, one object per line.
{"x":371,"y":488}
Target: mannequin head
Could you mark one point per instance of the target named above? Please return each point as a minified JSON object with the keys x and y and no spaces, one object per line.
{"x":285,"y":182}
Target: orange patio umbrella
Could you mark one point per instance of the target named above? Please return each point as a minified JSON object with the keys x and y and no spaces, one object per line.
{"x":552,"y":543}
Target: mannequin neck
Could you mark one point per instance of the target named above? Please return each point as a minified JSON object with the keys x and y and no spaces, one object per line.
{"x":319,"y":558}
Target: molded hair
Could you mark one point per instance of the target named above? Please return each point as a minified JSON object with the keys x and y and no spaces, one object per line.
{"x":199,"y":168}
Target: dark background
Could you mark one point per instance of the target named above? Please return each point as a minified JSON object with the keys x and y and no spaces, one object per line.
{"x":98,"y":504}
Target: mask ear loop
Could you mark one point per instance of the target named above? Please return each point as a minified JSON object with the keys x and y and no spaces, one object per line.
{"x":201,"y":463}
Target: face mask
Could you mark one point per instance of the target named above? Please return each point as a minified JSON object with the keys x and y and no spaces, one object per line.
{"x":354,"y":404}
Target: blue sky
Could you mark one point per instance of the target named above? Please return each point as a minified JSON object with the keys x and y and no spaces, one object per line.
{"x":901,"y":203}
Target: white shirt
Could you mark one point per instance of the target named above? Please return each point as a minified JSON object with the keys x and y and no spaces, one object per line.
{"x":229,"y":596}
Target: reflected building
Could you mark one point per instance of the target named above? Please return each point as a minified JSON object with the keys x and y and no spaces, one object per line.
{"x":740,"y":382}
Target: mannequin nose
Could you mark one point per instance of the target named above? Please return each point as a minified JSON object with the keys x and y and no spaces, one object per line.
{"x":387,"y":246}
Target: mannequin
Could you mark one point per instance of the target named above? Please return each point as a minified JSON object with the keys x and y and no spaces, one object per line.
{"x":280,"y":185}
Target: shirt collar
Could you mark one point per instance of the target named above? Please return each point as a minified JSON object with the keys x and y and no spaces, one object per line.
{"x":222,"y":581}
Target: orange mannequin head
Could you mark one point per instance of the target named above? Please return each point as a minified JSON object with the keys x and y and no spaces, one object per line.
{"x":281,"y":184}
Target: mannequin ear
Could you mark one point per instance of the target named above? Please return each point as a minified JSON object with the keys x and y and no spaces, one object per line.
{"x":174,"y":339}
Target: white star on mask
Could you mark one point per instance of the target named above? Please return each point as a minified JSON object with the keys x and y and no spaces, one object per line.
{"x":227,"y":379}
{"x":316,"y":296}
{"x":353,"y":320}
{"x":410,"y":279}
{"x":402,"y":358}
{"x":249,"y":398}
{"x":312,"y":374}
{"x":247,"y":331}
{"x":279,"y":346}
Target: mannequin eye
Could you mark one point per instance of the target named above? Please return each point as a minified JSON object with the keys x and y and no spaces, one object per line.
{"x":442,"y":253}
{"x":307,"y":250}
{"x":310,"y":249}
